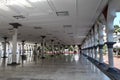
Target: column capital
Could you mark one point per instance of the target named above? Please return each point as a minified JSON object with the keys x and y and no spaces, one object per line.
{"x":23,"y":41}
{"x":95,"y":47}
{"x":52,"y":40}
{"x":100,"y":46}
{"x":5,"y":38}
{"x":35,"y":43}
{"x":15,"y":25}
{"x":110,"y":44}
{"x":43,"y":37}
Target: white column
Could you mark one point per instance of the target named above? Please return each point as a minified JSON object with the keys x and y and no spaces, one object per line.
{"x":19,"y":45}
{"x":92,"y":43}
{"x":95,"y":40}
{"x":43,"y":46}
{"x":84,"y":47}
{"x":101,"y":42}
{"x":14,"y":43}
{"x":110,"y":30}
{"x":88,"y":46}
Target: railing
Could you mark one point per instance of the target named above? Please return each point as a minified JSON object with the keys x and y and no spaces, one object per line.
{"x":112,"y":73}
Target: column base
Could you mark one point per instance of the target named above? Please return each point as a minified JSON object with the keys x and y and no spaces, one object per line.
{"x":112,"y":70}
{"x":13,"y":64}
{"x":103,"y":66}
{"x":114,"y":73}
{"x":4,"y":57}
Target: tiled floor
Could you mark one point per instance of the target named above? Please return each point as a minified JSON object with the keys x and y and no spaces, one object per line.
{"x":54,"y":68}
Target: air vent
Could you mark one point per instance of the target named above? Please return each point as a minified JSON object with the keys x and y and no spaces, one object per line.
{"x":62,"y":13}
{"x":19,"y":17}
{"x":67,"y":26}
{"x":37,"y":27}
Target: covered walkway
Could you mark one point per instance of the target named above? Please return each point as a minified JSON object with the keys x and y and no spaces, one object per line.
{"x":35,"y":36}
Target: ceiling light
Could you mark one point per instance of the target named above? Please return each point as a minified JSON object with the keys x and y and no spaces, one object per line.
{"x":62,"y":13}
{"x":25,"y":3}
{"x":67,"y":26}
{"x":19,"y":17}
{"x":10,"y":2}
{"x":18,"y":2}
{"x":37,"y":27}
{"x":5,"y":8}
{"x":36,"y":0}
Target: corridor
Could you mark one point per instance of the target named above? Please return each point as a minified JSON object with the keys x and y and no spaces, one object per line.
{"x":60,"y":67}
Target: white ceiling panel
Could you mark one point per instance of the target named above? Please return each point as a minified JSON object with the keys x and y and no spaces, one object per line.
{"x":51,"y":16}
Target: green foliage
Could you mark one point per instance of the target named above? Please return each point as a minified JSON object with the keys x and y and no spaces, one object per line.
{"x":117,"y":29}
{"x":71,"y":48}
{"x":104,"y":49}
{"x":116,"y":49}
{"x":66,"y":46}
{"x":48,"y":48}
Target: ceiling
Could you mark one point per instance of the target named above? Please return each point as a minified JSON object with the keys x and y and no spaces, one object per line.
{"x":65,"y":21}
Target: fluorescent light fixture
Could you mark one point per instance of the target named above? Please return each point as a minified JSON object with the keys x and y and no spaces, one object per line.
{"x":62,"y":13}
{"x":5,"y":8}
{"x":37,"y":0}
{"x":18,"y":2}
{"x":24,"y":2}
{"x":37,"y":27}
{"x":19,"y":17}
{"x":67,"y":26}
{"x":10,"y":2}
